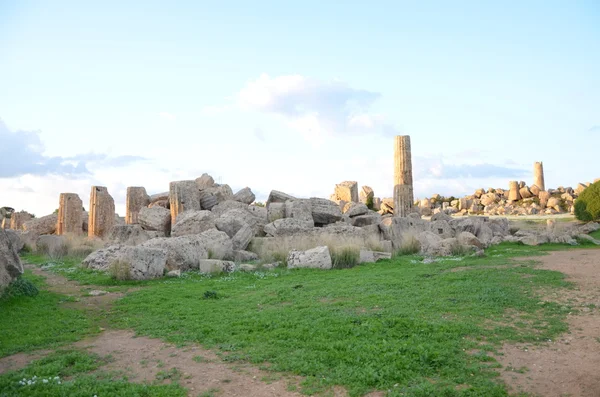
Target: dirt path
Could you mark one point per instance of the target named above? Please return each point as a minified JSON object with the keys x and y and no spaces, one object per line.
{"x":144,"y":359}
{"x":570,"y":365}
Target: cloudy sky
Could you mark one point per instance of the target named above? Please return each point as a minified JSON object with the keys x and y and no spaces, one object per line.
{"x":294,"y":97}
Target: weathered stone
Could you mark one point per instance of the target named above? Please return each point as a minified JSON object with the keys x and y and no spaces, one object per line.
{"x":245,"y":267}
{"x":316,"y":258}
{"x":70,"y":214}
{"x":143,"y":262}
{"x":513,"y":194}
{"x":127,"y":235}
{"x":442,"y":229}
{"x":580,"y":188}
{"x":276,"y":211}
{"x":217,"y":243}
{"x":136,"y":199}
{"x":102,"y":212}
{"x":347,"y":191}
{"x":165,"y":203}
{"x":355,"y":209}
{"x":208,"y":200}
{"x":183,"y":196}
{"x":544,"y":196}
{"x":553,"y":202}
{"x":429,"y":242}
{"x":538,"y":175}
{"x":44,"y":225}
{"x":286,"y":227}
{"x":15,"y":239}
{"x":468,"y":239}
{"x":535,"y":190}
{"x":242,"y":238}
{"x":174,"y":273}
{"x":300,"y":209}
{"x":366,"y":195}
{"x":222,"y":193}
{"x":325,"y":211}
{"x":525,"y":193}
{"x":17,"y":219}
{"x":230,"y":224}
{"x":366,"y":220}
{"x":5,"y":224}
{"x":10,"y":263}
{"x":183,"y":253}
{"x":403,"y":180}
{"x":244,"y":256}
{"x":244,"y":196}
{"x":158,"y":197}
{"x":155,"y":219}
{"x":205,"y":181}
{"x":278,"y":197}
{"x":192,"y":222}
{"x":216,"y":266}
{"x":367,"y":256}
{"x":244,"y":215}
{"x":259,"y":212}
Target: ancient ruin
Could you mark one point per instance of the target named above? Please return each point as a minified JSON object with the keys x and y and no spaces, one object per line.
{"x":136,"y":199}
{"x":70,"y":214}
{"x":102,"y":212}
{"x":183,"y":196}
{"x":538,"y":175}
{"x":403,"y":179}
{"x":17,"y":219}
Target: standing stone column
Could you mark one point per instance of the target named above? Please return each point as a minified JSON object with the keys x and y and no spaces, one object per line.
{"x":70,"y":214}
{"x":538,"y":175}
{"x":513,"y":193}
{"x":403,"y":180}
{"x":102,"y":212}
{"x":137,"y":198}
{"x":183,"y":196}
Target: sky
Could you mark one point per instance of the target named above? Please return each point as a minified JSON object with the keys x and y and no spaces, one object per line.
{"x":294,"y":96}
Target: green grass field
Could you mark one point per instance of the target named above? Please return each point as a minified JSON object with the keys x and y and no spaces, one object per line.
{"x":403,"y":326}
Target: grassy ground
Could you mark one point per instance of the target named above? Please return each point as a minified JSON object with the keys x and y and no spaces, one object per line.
{"x":30,"y":323}
{"x":69,"y":373}
{"x":413,"y":328}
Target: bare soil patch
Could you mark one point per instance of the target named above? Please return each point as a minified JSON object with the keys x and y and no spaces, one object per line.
{"x":144,"y":359}
{"x":567,"y":366}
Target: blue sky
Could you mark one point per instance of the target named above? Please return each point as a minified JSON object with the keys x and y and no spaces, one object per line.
{"x":294,"y":97}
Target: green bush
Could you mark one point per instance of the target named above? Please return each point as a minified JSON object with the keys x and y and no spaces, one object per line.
{"x":587,"y":206}
{"x":345,"y":257}
{"x":370,"y":204}
{"x":20,"y":287}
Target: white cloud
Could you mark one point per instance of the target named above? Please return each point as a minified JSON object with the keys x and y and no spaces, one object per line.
{"x":315,"y":108}
{"x":166,"y":116}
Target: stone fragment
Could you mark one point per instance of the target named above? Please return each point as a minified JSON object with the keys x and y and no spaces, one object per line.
{"x":17,"y":219}
{"x":286,"y":227}
{"x":127,"y":235}
{"x":366,"y":220}
{"x":10,"y":263}
{"x":525,"y":193}
{"x":513,"y":194}
{"x":192,"y":222}
{"x":70,"y":214}
{"x":102,"y":212}
{"x":355,"y":209}
{"x":205,"y":181}
{"x":242,"y":238}
{"x":366,"y":196}
{"x":155,"y":219}
{"x":136,"y":199}
{"x":580,"y":188}
{"x":367,"y":256}
{"x":142,"y":262}
{"x":216,"y":266}
{"x":544,"y":196}
{"x":44,"y":225}
{"x":245,"y":267}
{"x":244,"y":196}
{"x":183,"y":196}
{"x":278,"y":197}
{"x":244,"y":256}
{"x":347,"y":191}
{"x":535,"y":190}
{"x":316,"y":258}
{"x":325,"y":211}
{"x":468,"y":239}
{"x":183,"y":253}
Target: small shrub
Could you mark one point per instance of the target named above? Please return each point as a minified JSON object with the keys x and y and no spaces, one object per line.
{"x":409,"y":245}
{"x":370,"y":204}
{"x":20,"y":287}
{"x":120,"y":270}
{"x":259,"y":204}
{"x":345,"y":257}
{"x":587,"y":205}
{"x":210,"y":295}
